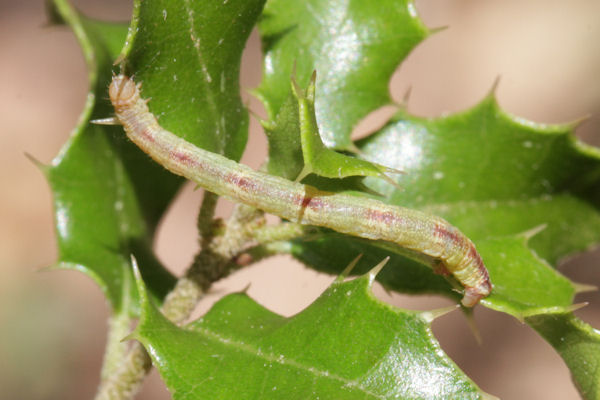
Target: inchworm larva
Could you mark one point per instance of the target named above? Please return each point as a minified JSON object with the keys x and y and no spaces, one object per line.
{"x":362,"y":217}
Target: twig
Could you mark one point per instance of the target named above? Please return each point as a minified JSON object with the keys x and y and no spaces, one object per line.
{"x":211,"y":264}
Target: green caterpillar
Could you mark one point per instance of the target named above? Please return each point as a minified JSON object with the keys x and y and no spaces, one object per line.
{"x":362,"y":217}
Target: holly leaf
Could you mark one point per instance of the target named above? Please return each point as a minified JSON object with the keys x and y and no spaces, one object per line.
{"x":522,"y":175}
{"x":108,"y":197}
{"x":187,"y":55}
{"x":517,"y":197}
{"x":496,"y":177}
{"x":579,"y":346}
{"x":353,"y":46}
{"x":347,"y":344}
{"x":295,"y":146}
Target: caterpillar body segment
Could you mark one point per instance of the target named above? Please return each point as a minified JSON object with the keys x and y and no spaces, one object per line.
{"x":357,"y":216}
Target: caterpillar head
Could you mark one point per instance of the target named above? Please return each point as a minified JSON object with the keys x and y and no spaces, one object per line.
{"x":472,"y":295}
{"x":123,"y":93}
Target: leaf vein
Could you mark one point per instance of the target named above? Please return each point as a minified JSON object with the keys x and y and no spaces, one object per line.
{"x":317,"y":373}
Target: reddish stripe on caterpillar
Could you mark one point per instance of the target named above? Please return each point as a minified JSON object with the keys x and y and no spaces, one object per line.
{"x":362,"y":217}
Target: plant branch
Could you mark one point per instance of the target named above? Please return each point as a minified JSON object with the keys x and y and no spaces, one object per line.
{"x":283,"y":231}
{"x":206,"y":216}
{"x":212,"y":263}
{"x":119,"y":325}
{"x":126,"y":381}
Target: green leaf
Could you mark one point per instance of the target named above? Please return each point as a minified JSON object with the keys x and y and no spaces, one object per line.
{"x":527,"y":194}
{"x":579,"y":346}
{"x":187,"y":55}
{"x":108,"y":196}
{"x":523,"y":283}
{"x":295,"y":146}
{"x":346,"y":345}
{"x":520,"y":177}
{"x":492,"y":174}
{"x":353,"y":46}
{"x":285,"y":141}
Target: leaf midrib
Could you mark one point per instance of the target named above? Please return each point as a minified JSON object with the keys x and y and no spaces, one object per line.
{"x":283,"y":360}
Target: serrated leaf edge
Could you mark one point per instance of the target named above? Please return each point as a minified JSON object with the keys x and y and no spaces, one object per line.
{"x":367,"y":279}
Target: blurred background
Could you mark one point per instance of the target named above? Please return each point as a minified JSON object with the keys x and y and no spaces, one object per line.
{"x":53,"y":325}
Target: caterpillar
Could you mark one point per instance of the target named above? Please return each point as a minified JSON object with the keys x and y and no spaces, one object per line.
{"x":362,"y":217}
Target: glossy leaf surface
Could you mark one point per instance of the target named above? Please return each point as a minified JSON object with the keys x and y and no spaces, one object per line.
{"x":579,"y":346}
{"x":187,"y":56}
{"x":346,"y":345}
{"x":354,"y":47}
{"x":295,"y":146}
{"x":108,"y":196}
{"x":522,"y":191}
{"x":518,"y":197}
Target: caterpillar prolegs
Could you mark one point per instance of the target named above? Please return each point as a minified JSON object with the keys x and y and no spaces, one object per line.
{"x":362,"y":217}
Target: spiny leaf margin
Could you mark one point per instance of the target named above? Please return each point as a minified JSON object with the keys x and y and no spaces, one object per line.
{"x":98,"y":178}
{"x":353,"y":46}
{"x":347,"y":344}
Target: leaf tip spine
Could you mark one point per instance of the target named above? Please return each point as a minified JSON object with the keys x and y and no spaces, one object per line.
{"x":296,"y":89}
{"x":310,"y":90}
{"x":349,"y":268}
{"x":552,"y":310}
{"x":47,"y":268}
{"x":131,"y":336}
{"x":576,"y":122}
{"x":44,"y":168}
{"x":245,"y":289}
{"x":352,"y":148}
{"x":431,"y":315}
{"x":377,"y":269}
{"x":473,"y":326}
{"x":141,"y":287}
{"x":575,"y":307}
{"x":584,"y":287}
{"x":384,"y":175}
{"x":106,"y":121}
{"x":493,"y":91}
{"x":438,"y":29}
{"x":487,"y":396}
{"x":528,"y":234}
{"x":405,"y":99}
